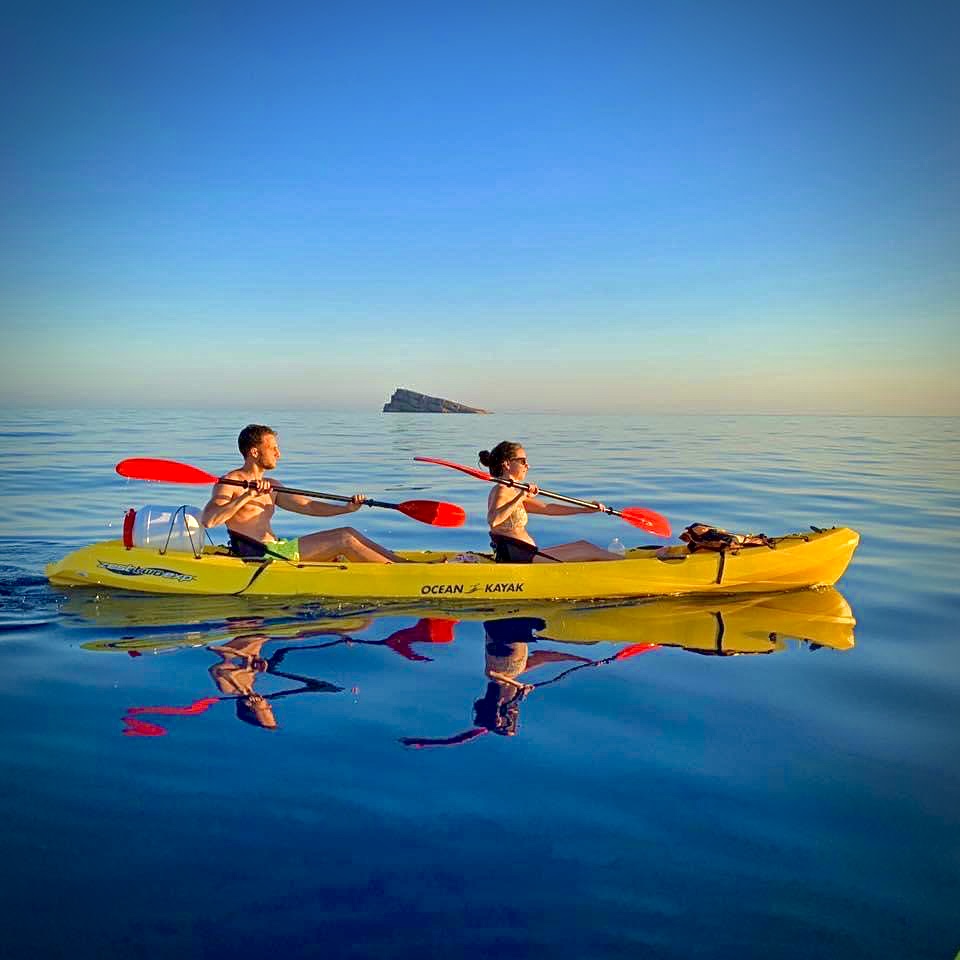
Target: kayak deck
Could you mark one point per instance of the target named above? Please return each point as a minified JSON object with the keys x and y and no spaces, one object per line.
{"x":817,"y":558}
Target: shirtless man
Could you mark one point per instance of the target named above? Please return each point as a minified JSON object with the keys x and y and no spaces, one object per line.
{"x":247,"y":511}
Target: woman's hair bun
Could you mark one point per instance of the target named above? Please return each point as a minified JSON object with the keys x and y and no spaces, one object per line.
{"x":484,"y":457}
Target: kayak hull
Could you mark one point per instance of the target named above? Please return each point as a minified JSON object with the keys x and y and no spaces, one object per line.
{"x":818,"y":558}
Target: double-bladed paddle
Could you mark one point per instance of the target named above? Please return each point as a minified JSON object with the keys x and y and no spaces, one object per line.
{"x":647,"y":520}
{"x":433,"y":512}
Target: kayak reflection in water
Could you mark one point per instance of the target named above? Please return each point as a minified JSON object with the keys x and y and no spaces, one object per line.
{"x":507,"y":658}
{"x":247,"y":511}
{"x":507,"y":511}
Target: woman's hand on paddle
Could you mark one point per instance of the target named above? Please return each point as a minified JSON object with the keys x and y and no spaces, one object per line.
{"x":356,"y":502}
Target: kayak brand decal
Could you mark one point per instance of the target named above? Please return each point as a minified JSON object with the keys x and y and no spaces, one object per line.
{"x":434,"y":589}
{"x":135,"y":570}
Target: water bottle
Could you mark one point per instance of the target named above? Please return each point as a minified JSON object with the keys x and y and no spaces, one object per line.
{"x":164,"y":528}
{"x":615,"y":546}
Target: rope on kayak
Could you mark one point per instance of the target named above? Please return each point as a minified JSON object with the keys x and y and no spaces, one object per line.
{"x":256,"y":573}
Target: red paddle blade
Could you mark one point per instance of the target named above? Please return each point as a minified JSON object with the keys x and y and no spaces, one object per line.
{"x":163,"y":471}
{"x":132,"y":727}
{"x":647,"y":520}
{"x":423,"y":631}
{"x":435,"y":631}
{"x":634,"y":649}
{"x":470,"y":471}
{"x":434,"y":512}
{"x":198,"y":706}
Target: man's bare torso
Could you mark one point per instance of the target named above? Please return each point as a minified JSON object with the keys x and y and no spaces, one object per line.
{"x":253,"y":518}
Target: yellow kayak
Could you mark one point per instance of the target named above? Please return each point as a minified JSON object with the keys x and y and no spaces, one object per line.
{"x":817,"y":558}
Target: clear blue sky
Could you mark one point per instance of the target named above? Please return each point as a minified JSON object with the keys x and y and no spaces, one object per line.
{"x":528,"y":206}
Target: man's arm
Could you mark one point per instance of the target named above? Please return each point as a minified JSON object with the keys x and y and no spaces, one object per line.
{"x":225,"y":503}
{"x":316,"y":508}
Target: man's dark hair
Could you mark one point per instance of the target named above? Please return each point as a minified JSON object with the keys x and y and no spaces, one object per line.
{"x":251,"y":435}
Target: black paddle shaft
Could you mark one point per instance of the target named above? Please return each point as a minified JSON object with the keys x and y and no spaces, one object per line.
{"x":248,"y":484}
{"x":556,"y":496}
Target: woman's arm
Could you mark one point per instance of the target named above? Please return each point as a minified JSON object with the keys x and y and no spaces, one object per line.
{"x":558,"y":509}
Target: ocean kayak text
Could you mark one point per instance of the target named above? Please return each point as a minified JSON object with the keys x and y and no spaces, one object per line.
{"x":437,"y":588}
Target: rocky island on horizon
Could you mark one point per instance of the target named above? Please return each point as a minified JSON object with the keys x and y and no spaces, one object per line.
{"x":409,"y":401}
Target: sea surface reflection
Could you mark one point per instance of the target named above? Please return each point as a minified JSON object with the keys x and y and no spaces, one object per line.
{"x":278,"y":644}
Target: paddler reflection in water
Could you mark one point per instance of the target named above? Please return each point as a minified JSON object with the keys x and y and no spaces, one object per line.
{"x":239,"y":666}
{"x":507,"y":510}
{"x":507,"y":657}
{"x":247,"y":512}
{"x":242,"y":662}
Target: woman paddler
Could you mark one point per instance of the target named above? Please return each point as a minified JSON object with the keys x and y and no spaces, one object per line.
{"x":507,"y":509}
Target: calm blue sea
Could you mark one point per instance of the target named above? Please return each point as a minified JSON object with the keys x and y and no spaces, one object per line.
{"x":786,"y":785}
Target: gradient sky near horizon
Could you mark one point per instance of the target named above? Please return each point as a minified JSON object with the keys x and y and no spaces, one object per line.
{"x":600,"y":206}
